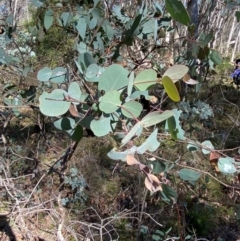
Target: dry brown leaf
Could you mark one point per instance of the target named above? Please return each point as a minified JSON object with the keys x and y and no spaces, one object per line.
{"x":191,"y":82}
{"x":153,"y":178}
{"x":152,"y":183}
{"x":188,"y":80}
{"x":153,"y":100}
{"x":131,"y":160}
{"x":73,"y":110}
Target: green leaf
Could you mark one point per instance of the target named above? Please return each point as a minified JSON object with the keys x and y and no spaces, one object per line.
{"x":237,"y":15}
{"x":44,"y":74}
{"x":145,"y":79}
{"x":131,"y":109}
{"x":176,"y":128}
{"x":58,"y":75}
{"x":76,"y":134}
{"x":114,"y":77}
{"x":151,"y":144}
{"x":205,"y":39}
{"x":81,"y":48}
{"x":207,"y":144}
{"x":110,"y":102}
{"x":86,"y":59}
{"x":171,"y":122}
{"x":81,"y":27}
{"x":170,"y":88}
{"x":78,"y":66}
{"x":136,"y":130}
{"x":93,"y":23}
{"x":108,"y":30}
{"x":170,"y":193}
{"x":64,"y":123}
{"x":157,"y":166}
{"x":137,"y":94}
{"x":226,"y":165}
{"x":215,"y":57}
{"x":156,"y":117}
{"x":130,"y":84}
{"x":96,"y":2}
{"x":176,"y":72}
{"x":75,"y":92}
{"x":156,"y":237}
{"x":189,"y":175}
{"x":101,"y":127}
{"x":53,"y":104}
{"x":178,"y":11}
{"x":148,"y":28}
{"x":192,"y":147}
{"x":92,"y":71}
{"x":117,"y":155}
{"x":66,"y":18}
{"x":48,"y":18}
{"x":38,"y":3}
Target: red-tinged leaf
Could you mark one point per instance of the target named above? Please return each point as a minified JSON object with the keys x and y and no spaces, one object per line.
{"x":73,"y":110}
{"x":214,"y":156}
{"x":131,"y":160}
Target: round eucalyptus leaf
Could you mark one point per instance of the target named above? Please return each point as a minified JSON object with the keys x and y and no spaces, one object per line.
{"x":226,"y":165}
{"x":114,"y":77}
{"x":84,"y":96}
{"x":131,"y":109}
{"x":58,"y":75}
{"x":53,"y":104}
{"x":145,"y":79}
{"x":101,"y":127}
{"x":74,"y":92}
{"x":92,"y":71}
{"x":215,"y":57}
{"x":93,"y":23}
{"x":64,"y":123}
{"x":207,"y":144}
{"x":176,"y":72}
{"x":192,"y":147}
{"x":110,"y":102}
{"x":189,"y":175}
{"x":44,"y":74}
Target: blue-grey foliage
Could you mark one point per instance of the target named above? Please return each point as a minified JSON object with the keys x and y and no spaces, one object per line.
{"x":198,"y":109}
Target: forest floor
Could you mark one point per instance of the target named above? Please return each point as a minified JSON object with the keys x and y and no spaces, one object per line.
{"x":109,"y":197}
